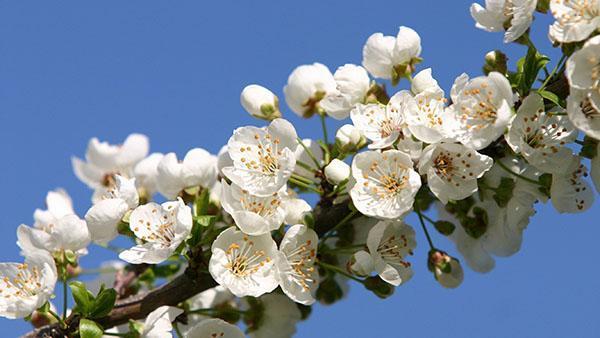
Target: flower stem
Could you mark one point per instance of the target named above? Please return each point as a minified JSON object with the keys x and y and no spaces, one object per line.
{"x":302,"y":179}
{"x":65,"y":299}
{"x":57,"y":317}
{"x":322,"y":116}
{"x":177,"y":331}
{"x":340,"y":271}
{"x":553,"y":72}
{"x":310,"y":153}
{"x":304,"y":185}
{"x":306,"y":166}
{"x":508,"y":170}
{"x":425,"y":229}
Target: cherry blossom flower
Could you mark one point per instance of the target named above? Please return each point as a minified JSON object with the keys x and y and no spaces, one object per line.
{"x":483,"y":108}
{"x":58,"y":205}
{"x":571,"y":192}
{"x":244,"y":264}
{"x":307,"y":85}
{"x":263,"y":158}
{"x":386,"y":183}
{"x":295,"y":209}
{"x":260,"y":102}
{"x":26,"y":286}
{"x":497,"y":15}
{"x":352,"y":84}
{"x":575,"y":21}
{"x":295,"y":264}
{"x":158,"y":323}
{"x":452,"y":170}
{"x":254,"y":215}
{"x":389,"y":57}
{"x":104,"y":216}
{"x":278,"y":319}
{"x":446,"y":270}
{"x":390,"y":243}
{"x":541,"y":137}
{"x":197,"y":169}
{"x":67,"y":233}
{"x":104,"y":160}
{"x":337,"y":171}
{"x":386,"y":125}
{"x":348,"y":137}
{"x":146,"y":175}
{"x":216,"y":328}
{"x":583,"y":111}
{"x":161,"y":227}
{"x":423,"y":81}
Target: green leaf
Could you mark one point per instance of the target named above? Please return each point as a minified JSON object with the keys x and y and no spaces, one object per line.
{"x":504,"y":192}
{"x":550,"y":96}
{"x":71,"y":257}
{"x":83,"y":298}
{"x":167,"y":270}
{"x":589,"y":148}
{"x":202,"y":202}
{"x":103,"y":303}
{"x":530,"y":67}
{"x":444,"y":227}
{"x":89,"y":329}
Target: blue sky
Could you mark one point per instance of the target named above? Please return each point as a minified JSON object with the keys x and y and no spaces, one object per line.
{"x":71,"y":70}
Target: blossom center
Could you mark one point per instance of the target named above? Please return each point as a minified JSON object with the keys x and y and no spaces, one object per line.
{"x":588,"y":109}
{"x":578,"y":11}
{"x":302,"y":260}
{"x":443,"y":166}
{"x":26,"y":283}
{"x":245,"y":260}
{"x":481,"y":111}
{"x":393,"y":248}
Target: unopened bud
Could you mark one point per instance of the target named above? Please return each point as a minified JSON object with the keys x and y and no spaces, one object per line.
{"x":361,"y":263}
{"x":337,"y":171}
{"x":348,"y":137}
{"x":39,"y":319}
{"x":495,"y":61}
{"x":260,"y":102}
{"x":446,"y":269}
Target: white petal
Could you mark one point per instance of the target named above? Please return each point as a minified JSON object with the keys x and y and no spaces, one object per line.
{"x":102,"y":219}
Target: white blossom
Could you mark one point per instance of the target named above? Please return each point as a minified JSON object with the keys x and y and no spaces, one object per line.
{"x":146,"y":174}
{"x":278,"y":319}
{"x":26,"y":286}
{"x":58,"y":205}
{"x":386,"y":183}
{"x":307,"y":85}
{"x":497,"y":13}
{"x":541,"y":137}
{"x":244,"y":264}
{"x":260,"y":102}
{"x":352,"y":84}
{"x":452,"y":170}
{"x":390,"y":243}
{"x":214,"y":328}
{"x":583,"y":109}
{"x":337,"y":171}
{"x":295,"y":209}
{"x":362,"y":263}
{"x":571,"y":192}
{"x":348,"y":137}
{"x":423,"y":81}
{"x":161,"y":227}
{"x":575,"y":21}
{"x":67,"y":233}
{"x":104,"y":216}
{"x":158,"y":323}
{"x":104,"y":160}
{"x":254,"y":215}
{"x":386,"y":125}
{"x":388,"y":57}
{"x":295,"y":263}
{"x":263,"y":158}
{"x":197,"y":169}
{"x":483,"y":108}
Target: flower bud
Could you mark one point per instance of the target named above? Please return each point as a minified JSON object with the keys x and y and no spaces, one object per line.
{"x":361,"y":264}
{"x":495,"y":61}
{"x":337,"y":171}
{"x":306,"y":87}
{"x":295,"y":210}
{"x":348,"y":137}
{"x":260,"y":102}
{"x":423,"y":81}
{"x":379,"y":287}
{"x":446,"y":269}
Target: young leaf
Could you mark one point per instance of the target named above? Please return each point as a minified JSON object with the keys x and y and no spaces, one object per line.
{"x":89,"y":329}
{"x":103,"y":303}
{"x":83,"y":298}
{"x":444,"y":227}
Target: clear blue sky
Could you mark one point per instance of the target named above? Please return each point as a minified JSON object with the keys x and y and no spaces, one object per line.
{"x":70,"y":70}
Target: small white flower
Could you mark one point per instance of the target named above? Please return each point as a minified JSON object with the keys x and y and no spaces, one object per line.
{"x":389,"y":57}
{"x":389,"y":244}
{"x":104,"y":160}
{"x":497,"y":13}
{"x":583,"y":109}
{"x":423,"y":81}
{"x":214,"y":328}
{"x":198,"y":168}
{"x":263,"y":158}
{"x":384,"y":125}
{"x":307,"y":85}
{"x":104,"y":216}
{"x":483,"y":108}
{"x":25,"y":287}
{"x":427,"y":117}
{"x":386,"y":183}
{"x":575,"y":19}
{"x":295,"y":264}
{"x":541,"y":137}
{"x":67,"y":233}
{"x":348,"y":137}
{"x":452,"y":170}
{"x":295,"y":209}
{"x":158,"y":323}
{"x":146,"y":174}
{"x":260,"y":102}
{"x":278,"y":319}
{"x":570,"y":192}
{"x":244,"y":264}
{"x":58,"y":205}
{"x":352,"y":84}
{"x":161,"y":228}
{"x":337,"y":171}
{"x":254,"y":215}
{"x":362,"y":263}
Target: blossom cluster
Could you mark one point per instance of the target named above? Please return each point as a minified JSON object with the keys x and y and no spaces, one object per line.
{"x":478,"y":156}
